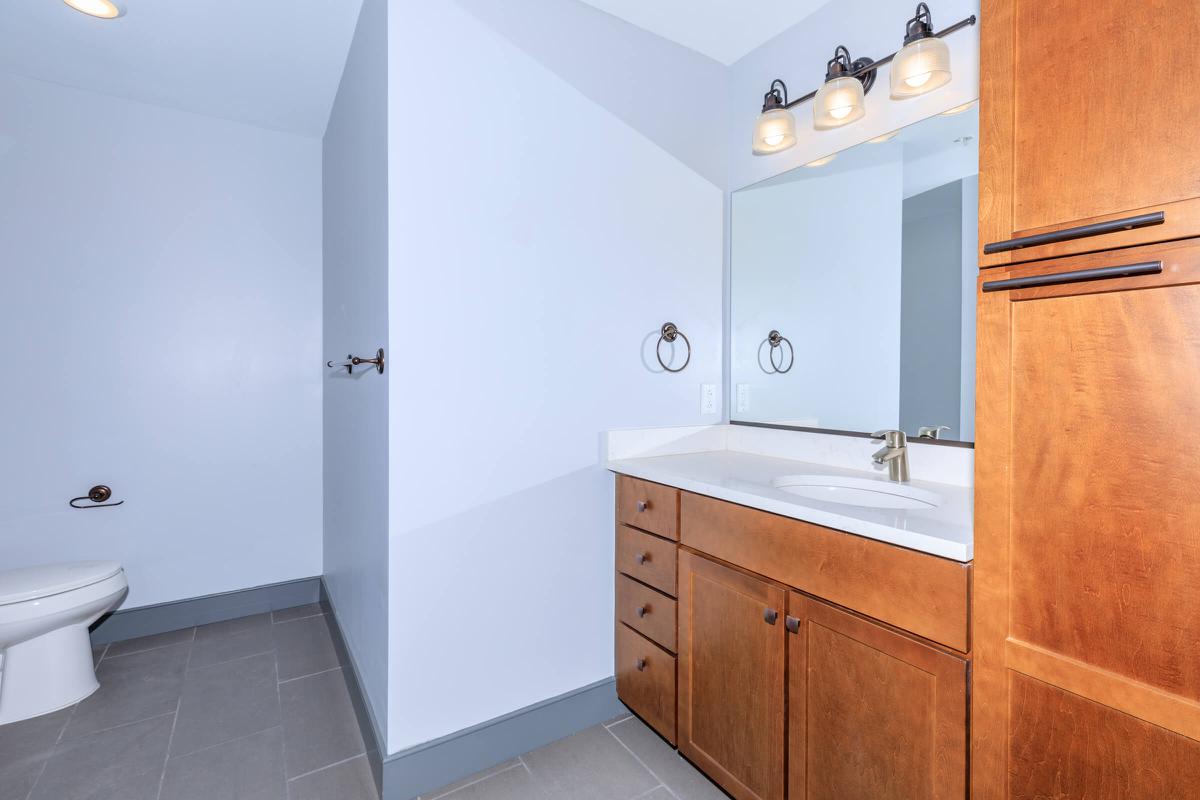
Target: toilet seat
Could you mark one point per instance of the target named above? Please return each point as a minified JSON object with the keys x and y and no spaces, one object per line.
{"x":34,"y":583}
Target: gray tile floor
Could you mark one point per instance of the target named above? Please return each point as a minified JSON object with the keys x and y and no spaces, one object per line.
{"x":621,"y":760}
{"x":254,"y":708}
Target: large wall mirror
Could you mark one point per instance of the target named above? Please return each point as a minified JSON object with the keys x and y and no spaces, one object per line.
{"x":864,"y":268}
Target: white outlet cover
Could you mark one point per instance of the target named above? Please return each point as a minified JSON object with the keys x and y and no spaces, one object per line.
{"x":708,"y":398}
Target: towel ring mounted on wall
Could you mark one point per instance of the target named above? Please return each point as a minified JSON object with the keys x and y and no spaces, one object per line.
{"x":97,"y":495}
{"x":669,"y":334}
{"x":777,"y":340}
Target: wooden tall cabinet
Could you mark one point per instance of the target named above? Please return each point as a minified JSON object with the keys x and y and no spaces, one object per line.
{"x":1087,"y":534}
{"x":1088,"y":121}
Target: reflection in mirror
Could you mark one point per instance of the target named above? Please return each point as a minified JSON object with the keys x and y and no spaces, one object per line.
{"x":853,"y":288}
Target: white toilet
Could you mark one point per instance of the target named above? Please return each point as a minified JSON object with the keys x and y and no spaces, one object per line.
{"x":45,"y":650}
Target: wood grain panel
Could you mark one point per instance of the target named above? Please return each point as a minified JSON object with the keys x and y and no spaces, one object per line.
{"x":1087,"y":155}
{"x":647,"y":611}
{"x":1106,"y":523}
{"x":732,"y":678}
{"x":1087,"y":529}
{"x":646,"y":680}
{"x":914,"y":591}
{"x":647,"y":558}
{"x":885,"y":716}
{"x":1068,"y":748}
{"x":649,"y":506}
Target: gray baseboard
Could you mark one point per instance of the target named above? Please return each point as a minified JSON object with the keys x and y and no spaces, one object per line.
{"x":442,"y":761}
{"x":368,"y":726}
{"x":147,"y":620}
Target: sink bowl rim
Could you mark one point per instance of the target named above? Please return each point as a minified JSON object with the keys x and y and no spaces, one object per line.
{"x":899,"y":490}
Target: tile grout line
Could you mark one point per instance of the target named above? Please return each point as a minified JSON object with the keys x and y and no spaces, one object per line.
{"x":57,"y":741}
{"x":162,"y":776}
{"x":297,"y":619}
{"x":519,"y":763}
{"x":638,"y":759}
{"x":662,"y":786}
{"x":301,"y":677}
{"x":327,"y":766}
{"x":287,"y":788}
{"x":108,"y":647}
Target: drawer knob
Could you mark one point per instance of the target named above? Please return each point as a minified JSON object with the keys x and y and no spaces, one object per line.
{"x":641,"y":665}
{"x":642,"y":611}
{"x":641,"y":558}
{"x":792,"y":624}
{"x":642,"y":505}
{"x":770,"y":616}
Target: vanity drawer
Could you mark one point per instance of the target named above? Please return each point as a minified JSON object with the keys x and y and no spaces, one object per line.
{"x":647,"y":558}
{"x":647,"y":611}
{"x":917,"y":592}
{"x":646,"y":680}
{"x":649,"y":506}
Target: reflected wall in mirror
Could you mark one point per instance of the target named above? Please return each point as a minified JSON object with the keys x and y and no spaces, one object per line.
{"x":866,"y":267}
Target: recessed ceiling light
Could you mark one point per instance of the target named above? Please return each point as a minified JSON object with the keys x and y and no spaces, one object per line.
{"x":950,"y":112}
{"x":820,"y":162}
{"x":887,"y":137}
{"x":104,"y":9}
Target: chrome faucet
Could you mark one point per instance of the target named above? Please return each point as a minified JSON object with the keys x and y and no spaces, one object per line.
{"x":931,"y":431}
{"x":894,"y":453}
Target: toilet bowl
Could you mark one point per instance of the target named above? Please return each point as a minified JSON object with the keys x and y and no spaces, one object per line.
{"x":45,"y":649}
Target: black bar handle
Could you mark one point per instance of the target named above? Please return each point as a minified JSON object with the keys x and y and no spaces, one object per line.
{"x":1075,"y":276}
{"x":1081,"y":232}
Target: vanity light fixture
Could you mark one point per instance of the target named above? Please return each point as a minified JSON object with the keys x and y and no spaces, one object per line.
{"x":820,"y":162}
{"x":776,"y":127}
{"x":886,"y":137}
{"x":104,"y":9}
{"x":923,"y":64}
{"x":841,"y":100}
{"x":950,"y":112}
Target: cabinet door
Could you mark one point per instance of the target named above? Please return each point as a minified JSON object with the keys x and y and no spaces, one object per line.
{"x":731,"y":677}
{"x":1087,"y":529}
{"x":1086,"y":117}
{"x":871,"y":713}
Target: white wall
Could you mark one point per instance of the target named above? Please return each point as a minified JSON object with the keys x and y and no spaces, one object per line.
{"x":798,"y":55}
{"x":539,"y":239}
{"x":356,"y":321}
{"x":803,"y":267}
{"x":160,"y":332}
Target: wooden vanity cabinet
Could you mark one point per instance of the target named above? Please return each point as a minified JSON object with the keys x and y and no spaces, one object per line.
{"x":783,"y":686}
{"x":732,"y":673}
{"x":872,"y":713}
{"x":1088,"y":114}
{"x":1087,"y":533}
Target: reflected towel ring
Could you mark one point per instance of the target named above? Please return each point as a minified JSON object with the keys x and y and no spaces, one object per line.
{"x":776,"y":340}
{"x":668,"y":334}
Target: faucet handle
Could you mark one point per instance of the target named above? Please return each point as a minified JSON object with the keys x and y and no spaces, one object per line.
{"x":931,"y":431}
{"x":891,"y":438}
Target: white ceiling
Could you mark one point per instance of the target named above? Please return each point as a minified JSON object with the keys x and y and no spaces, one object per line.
{"x":271,"y":63}
{"x":724,"y":30}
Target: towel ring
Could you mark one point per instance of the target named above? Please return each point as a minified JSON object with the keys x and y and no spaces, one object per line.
{"x":668,"y":334}
{"x":776,"y":340}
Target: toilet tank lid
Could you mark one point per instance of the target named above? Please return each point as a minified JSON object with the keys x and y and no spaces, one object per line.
{"x":31,"y":583}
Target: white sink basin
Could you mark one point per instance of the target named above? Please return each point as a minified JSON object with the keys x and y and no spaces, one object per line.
{"x":860,"y":492}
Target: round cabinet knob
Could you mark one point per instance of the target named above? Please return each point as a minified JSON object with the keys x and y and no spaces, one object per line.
{"x":641,"y":665}
{"x":642,"y":611}
{"x":641,"y":558}
{"x":642,"y":505}
{"x":770,"y":615}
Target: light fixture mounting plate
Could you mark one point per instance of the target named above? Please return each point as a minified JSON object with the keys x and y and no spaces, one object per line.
{"x":867,"y":78}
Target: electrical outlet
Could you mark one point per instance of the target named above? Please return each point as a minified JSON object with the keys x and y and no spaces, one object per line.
{"x":743,"y":397}
{"x":708,"y":398}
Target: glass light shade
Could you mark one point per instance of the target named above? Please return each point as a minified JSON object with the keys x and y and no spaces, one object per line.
{"x":839,"y":102}
{"x":950,"y":112}
{"x":774,"y":132}
{"x":820,"y":162}
{"x":104,"y":9}
{"x":920,"y":67}
{"x":885,"y":137}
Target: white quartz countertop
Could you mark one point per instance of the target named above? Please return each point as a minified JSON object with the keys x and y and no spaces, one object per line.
{"x":746,"y":479}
